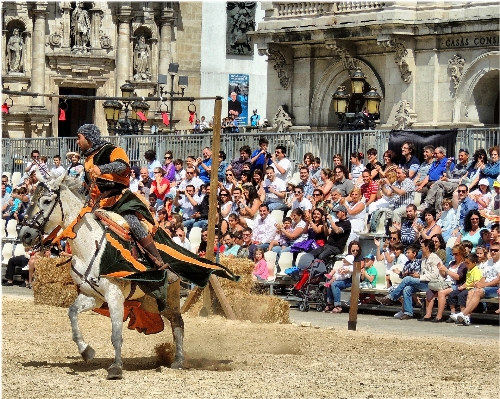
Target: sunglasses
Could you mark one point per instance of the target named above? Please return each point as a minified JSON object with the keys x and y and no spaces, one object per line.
{"x":461,"y":191}
{"x":229,"y":174}
{"x":474,"y":219}
{"x":493,"y":250}
{"x":224,"y":195}
{"x":317,"y":195}
{"x":156,"y":172}
{"x":189,"y":173}
{"x":167,"y":158}
{"x":298,"y":192}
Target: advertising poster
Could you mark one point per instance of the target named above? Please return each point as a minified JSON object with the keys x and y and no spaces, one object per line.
{"x":237,"y":101}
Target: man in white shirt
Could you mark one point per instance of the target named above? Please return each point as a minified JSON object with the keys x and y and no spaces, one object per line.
{"x":58,"y":169}
{"x":275,"y":189}
{"x":302,"y":202}
{"x":264,"y":230}
{"x":191,"y":178}
{"x":185,"y":201}
{"x":281,"y":164}
{"x":180,"y":238}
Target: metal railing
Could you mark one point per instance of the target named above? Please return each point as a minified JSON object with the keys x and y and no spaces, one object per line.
{"x":16,"y":152}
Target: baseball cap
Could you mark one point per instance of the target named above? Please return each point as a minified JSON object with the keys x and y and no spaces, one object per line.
{"x":369,"y":256}
{"x":496,"y":183}
{"x":169,"y":195}
{"x":349,"y":259}
{"x":340,"y":208}
{"x":293,"y":182}
{"x":484,"y":182}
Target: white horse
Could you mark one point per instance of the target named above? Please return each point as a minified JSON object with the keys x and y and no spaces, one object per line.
{"x":57,"y":202}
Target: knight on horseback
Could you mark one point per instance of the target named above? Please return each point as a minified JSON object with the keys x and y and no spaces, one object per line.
{"x":107,"y":172}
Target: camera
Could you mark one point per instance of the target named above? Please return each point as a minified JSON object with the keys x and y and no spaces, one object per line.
{"x":268,"y":155}
{"x":182,"y":191}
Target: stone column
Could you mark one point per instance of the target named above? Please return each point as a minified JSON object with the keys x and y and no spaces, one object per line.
{"x":65,"y":8}
{"x":166,"y":20}
{"x":123,"y":53}
{"x":4,"y":55}
{"x":38,"y":59}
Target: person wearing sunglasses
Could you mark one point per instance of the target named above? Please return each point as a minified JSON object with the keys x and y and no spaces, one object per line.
{"x":464,"y":205}
{"x":169,"y":166}
{"x":486,"y":288}
{"x":190,"y":179}
{"x":301,"y":201}
{"x":281,"y":164}
{"x":181,"y":239}
{"x":275,"y":190}
{"x":473,"y":223}
{"x":35,"y":160}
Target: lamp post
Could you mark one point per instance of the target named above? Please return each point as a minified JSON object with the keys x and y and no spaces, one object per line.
{"x":182,"y":82}
{"x":361,"y":118}
{"x":126,"y":125}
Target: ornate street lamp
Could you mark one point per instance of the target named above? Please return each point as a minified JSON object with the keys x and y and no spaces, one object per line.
{"x":182,"y":82}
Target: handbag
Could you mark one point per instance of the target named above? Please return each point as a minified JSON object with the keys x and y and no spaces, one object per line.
{"x":303,"y":246}
{"x":438,"y":284}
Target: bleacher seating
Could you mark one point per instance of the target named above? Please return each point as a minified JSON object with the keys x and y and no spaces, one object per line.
{"x":195,"y":237}
{"x":16,"y":178}
{"x":277,"y":214}
{"x":11,"y":229}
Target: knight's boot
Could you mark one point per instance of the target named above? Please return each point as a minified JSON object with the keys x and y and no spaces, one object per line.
{"x":154,"y":256}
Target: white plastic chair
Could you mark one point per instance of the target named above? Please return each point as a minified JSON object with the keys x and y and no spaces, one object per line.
{"x":11,"y":229}
{"x":451,"y":242}
{"x":296,"y":176}
{"x":16,"y":178}
{"x":299,"y":255}
{"x":277,"y":214}
{"x":2,"y":226}
{"x":417,"y":198}
{"x":195,"y":237}
{"x":19,"y":250}
{"x":285,"y":261}
{"x":7,"y":249}
{"x":270,"y":257}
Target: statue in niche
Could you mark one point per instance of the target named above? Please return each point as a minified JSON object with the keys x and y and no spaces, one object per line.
{"x":142,"y":56}
{"x":15,"y":52}
{"x":240,"y":20}
{"x":80,"y":27}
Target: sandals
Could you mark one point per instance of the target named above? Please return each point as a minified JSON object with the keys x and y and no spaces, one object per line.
{"x":328,"y":308}
{"x":336,"y":309}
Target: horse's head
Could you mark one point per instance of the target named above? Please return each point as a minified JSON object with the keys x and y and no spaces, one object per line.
{"x":45,"y":211}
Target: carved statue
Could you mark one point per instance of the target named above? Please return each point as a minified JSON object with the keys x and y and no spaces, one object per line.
{"x":282,"y":121}
{"x":80,"y":26}
{"x":405,"y":116}
{"x":240,"y":20}
{"x":141,"y":60}
{"x":456,"y":65}
{"x":15,"y":52}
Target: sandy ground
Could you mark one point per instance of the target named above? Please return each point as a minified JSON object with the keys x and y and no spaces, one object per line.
{"x":235,"y":359}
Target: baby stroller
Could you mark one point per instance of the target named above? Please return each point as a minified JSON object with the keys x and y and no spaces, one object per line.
{"x":310,"y":287}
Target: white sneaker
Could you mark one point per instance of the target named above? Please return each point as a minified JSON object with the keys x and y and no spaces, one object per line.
{"x":399,"y":315}
{"x":26,"y":267}
{"x":465,"y":320}
{"x":454,"y":316}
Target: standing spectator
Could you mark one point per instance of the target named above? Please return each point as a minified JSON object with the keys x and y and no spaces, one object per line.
{"x":315,"y":168}
{"x":134,"y":179}
{"x":169,"y":166}
{"x":341,"y":182}
{"x":357,"y":168}
{"x":160,"y":185}
{"x":255,"y":118}
{"x":58,"y":169}
{"x":409,"y":161}
{"x":225,"y":203}
{"x":305,"y":180}
{"x":264,"y":228}
{"x":491,"y":170}
{"x":338,"y":160}
{"x":260,"y":157}
{"x":373,"y":165}
{"x":152,"y":162}
{"x":145,"y":183}
{"x":275,"y":190}
{"x":281,"y":164}
{"x":75,"y":169}
{"x":204,"y":165}
{"x":237,"y":165}
{"x":203,"y":123}
{"x":307,"y":161}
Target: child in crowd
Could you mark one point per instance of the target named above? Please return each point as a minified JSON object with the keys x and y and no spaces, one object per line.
{"x":468,"y":246}
{"x":445,"y":219}
{"x":342,"y":273}
{"x":280,"y":238}
{"x":482,"y":195}
{"x":368,"y":273}
{"x":14,"y":205}
{"x":44,"y":170}
{"x":260,"y":271}
{"x":474,"y":275}
{"x":411,"y":267}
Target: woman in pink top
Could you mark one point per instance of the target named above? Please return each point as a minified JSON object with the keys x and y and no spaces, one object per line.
{"x":260,"y":271}
{"x":160,"y":185}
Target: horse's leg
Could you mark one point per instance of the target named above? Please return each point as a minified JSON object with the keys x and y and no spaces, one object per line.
{"x":114,"y":298}
{"x":173,"y":314}
{"x":82,"y":303}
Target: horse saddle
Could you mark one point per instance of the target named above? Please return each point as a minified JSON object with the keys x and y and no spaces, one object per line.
{"x":117,"y":223}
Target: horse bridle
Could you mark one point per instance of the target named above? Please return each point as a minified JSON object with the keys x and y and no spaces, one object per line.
{"x":39,"y":219}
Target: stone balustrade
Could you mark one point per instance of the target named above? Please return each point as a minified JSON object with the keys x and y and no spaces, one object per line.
{"x":308,"y":9}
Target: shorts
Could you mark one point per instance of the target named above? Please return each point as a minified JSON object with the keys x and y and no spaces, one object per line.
{"x":490,"y":292}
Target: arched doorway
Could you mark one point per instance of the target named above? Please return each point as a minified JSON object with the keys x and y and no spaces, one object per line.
{"x":485,"y":97}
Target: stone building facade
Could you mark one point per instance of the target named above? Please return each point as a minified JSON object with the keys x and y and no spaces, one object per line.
{"x":434,"y":63}
{"x":92,"y":48}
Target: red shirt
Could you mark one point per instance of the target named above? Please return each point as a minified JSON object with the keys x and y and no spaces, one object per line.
{"x":369,"y":189}
{"x":154,"y":188}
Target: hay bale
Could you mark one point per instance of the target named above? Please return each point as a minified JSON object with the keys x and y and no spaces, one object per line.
{"x":53,"y":284}
{"x":247,"y":306}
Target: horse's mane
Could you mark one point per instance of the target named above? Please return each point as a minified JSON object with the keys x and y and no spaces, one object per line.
{"x":74,"y":184}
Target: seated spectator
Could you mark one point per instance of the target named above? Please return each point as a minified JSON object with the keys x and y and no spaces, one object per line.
{"x":340,"y":180}
{"x":415,"y":282}
{"x":491,"y":170}
{"x":199,"y":217}
{"x":318,"y":201}
{"x":390,"y":163}
{"x":260,"y":271}
{"x":190,"y":179}
{"x":280,"y":239}
{"x":338,"y":160}
{"x":162,"y":218}
{"x":297,"y":233}
{"x":402,"y":191}
{"x":408,"y":268}
{"x":487,"y":288}
{"x":237,"y":165}
{"x":306,"y":182}
{"x":221,"y":173}
{"x":472,"y":228}
{"x":160,"y":185}
{"x":134,"y":179}
{"x":247,"y":248}
{"x":169,"y":167}
{"x":423,"y":169}
{"x":398,"y":264}
{"x":431,"y":227}
{"x":493,"y":210}
{"x":180,"y":173}
{"x":317,"y":227}
{"x":5,"y":181}
{"x":249,"y":206}
{"x":445,"y":219}
{"x":436,"y":170}
{"x":339,"y":279}
{"x":409,"y":161}
{"x":386,"y":255}
{"x":308,"y":160}
{"x":369,"y":188}
{"x":448,"y":182}
{"x":204,"y":165}
{"x":281,"y":164}
{"x":225,"y":206}
{"x":233,"y":224}
{"x":230,"y":248}
{"x":14,"y":205}
{"x":185,"y":201}
{"x":408,"y":229}
{"x":145,"y":183}
{"x":237,"y":196}
{"x":181,"y":239}
{"x":324,"y":183}
{"x":246,"y":178}
{"x":373,"y":166}
{"x":202,"y":248}
{"x":76,"y":169}
{"x":316,"y":168}
{"x":357,"y":168}
{"x":264,"y":229}
{"x":482,"y":195}
{"x":368,"y":273}
{"x":301,"y":202}
{"x":440,"y":247}
{"x":455,"y":276}
{"x":275,"y":190}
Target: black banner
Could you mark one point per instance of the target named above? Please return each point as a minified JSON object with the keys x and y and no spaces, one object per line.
{"x":422,"y":138}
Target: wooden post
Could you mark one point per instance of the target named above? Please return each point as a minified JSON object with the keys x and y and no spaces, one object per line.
{"x":353,"y":308}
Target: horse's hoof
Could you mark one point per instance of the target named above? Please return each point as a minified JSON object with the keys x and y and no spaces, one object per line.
{"x":115,"y":373}
{"x":88,"y":353}
{"x":177,"y":365}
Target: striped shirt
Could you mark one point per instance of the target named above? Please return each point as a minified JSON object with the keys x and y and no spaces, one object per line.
{"x":411,"y":266}
{"x":406,"y":199}
{"x":408,"y":233}
{"x":369,"y":189}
